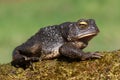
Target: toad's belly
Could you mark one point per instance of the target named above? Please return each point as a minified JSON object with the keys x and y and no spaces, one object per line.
{"x":50,"y":52}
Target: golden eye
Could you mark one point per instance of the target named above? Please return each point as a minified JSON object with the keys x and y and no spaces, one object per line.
{"x":83,"y":25}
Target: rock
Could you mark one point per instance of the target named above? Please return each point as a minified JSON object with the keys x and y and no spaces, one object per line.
{"x":107,"y":68}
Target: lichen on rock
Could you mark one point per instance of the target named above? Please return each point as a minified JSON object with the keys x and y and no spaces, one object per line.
{"x":106,"y":68}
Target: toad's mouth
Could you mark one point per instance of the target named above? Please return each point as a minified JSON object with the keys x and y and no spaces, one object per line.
{"x":87,"y":37}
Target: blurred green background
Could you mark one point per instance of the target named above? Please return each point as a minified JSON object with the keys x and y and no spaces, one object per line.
{"x":20,"y":19}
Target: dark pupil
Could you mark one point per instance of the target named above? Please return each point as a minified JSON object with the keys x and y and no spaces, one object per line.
{"x":83,"y":26}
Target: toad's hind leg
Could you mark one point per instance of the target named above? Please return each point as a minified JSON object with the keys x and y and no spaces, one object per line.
{"x":74,"y":52}
{"x":20,"y":60}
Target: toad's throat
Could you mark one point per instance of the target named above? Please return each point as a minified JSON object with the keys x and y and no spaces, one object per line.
{"x":87,"y":37}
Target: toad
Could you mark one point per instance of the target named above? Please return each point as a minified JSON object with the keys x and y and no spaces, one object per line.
{"x":67,"y":39}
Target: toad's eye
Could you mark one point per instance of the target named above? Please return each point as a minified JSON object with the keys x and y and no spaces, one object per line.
{"x":83,"y":25}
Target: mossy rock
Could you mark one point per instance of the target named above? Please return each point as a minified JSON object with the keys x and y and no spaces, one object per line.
{"x":107,"y":68}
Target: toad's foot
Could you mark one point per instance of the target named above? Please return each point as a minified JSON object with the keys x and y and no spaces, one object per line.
{"x":94,"y":55}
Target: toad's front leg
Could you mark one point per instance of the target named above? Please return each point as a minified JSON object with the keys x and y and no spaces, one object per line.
{"x":72,"y":51}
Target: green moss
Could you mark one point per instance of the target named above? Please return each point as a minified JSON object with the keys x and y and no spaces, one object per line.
{"x":107,"y":68}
